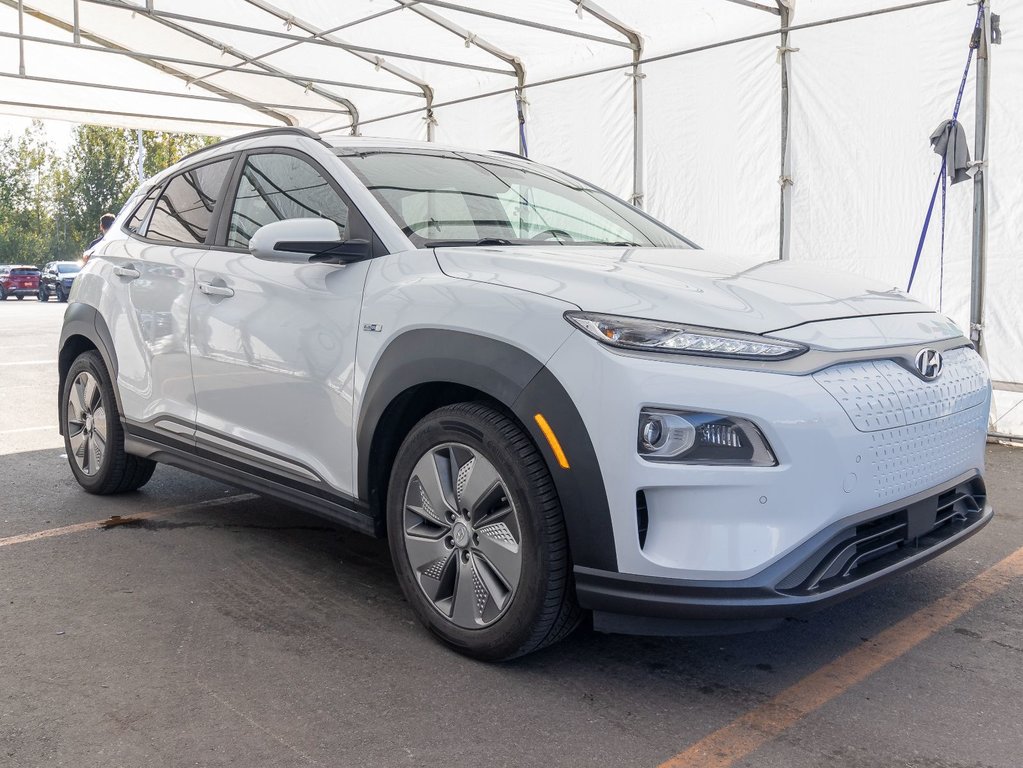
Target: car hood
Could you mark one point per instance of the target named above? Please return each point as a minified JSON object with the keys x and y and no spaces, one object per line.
{"x":681,"y":285}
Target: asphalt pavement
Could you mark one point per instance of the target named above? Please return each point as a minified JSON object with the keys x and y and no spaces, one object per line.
{"x":220,"y":628}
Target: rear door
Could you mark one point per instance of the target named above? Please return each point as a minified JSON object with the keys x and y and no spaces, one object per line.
{"x":273,"y":345}
{"x":148,"y":288}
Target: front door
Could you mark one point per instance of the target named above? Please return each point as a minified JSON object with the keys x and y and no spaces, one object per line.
{"x":272,"y":344}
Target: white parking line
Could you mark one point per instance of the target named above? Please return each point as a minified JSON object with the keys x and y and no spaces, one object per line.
{"x":52,"y":427}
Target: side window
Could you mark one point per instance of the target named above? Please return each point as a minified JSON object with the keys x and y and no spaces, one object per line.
{"x":184,"y":210}
{"x":279,"y":186}
{"x":135,"y":222}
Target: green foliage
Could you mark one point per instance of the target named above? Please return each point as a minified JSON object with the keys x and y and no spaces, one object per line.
{"x":50,"y":205}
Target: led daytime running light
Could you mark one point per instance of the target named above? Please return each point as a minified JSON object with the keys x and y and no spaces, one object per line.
{"x":657,"y":336}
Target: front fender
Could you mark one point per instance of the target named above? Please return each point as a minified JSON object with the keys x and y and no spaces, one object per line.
{"x":525,"y":387}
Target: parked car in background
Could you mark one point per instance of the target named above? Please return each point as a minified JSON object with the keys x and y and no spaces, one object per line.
{"x":57,"y":278}
{"x":18,"y":281}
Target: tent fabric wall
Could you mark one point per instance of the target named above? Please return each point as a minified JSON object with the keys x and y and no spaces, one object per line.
{"x":865,"y":95}
{"x":713,"y":137}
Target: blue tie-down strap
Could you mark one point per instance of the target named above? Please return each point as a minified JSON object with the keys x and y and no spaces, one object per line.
{"x":942,"y":180}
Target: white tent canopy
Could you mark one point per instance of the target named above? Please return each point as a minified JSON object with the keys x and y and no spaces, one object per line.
{"x":678,"y":104}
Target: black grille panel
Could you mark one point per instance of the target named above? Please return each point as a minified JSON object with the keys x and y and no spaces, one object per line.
{"x":871,"y":546}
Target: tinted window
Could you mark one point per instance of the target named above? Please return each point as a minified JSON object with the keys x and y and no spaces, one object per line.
{"x":24,"y":271}
{"x":141,"y":212}
{"x":277,"y":186}
{"x":68,"y":269}
{"x":185,"y":208}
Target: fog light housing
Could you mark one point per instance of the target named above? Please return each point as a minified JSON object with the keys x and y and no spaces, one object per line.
{"x":694,"y":437}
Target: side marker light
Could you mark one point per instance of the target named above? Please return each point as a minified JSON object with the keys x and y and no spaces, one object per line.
{"x":552,"y":439}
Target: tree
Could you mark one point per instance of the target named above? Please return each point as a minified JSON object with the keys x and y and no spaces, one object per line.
{"x":98,"y":179}
{"x":27,"y":231}
{"x":50,"y":206}
{"x":164,"y":149}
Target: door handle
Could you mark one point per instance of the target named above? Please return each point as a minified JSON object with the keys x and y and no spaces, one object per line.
{"x":128,"y":272}
{"x":216,"y":290}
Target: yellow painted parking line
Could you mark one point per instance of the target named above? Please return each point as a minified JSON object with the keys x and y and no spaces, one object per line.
{"x":112,"y":522}
{"x":739,"y":739}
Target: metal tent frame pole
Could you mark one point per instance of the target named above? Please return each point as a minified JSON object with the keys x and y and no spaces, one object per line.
{"x":785,"y":181}
{"x":519,"y":69}
{"x":108,"y":46}
{"x":636,"y":44}
{"x":377,"y":61}
{"x":210,"y":22}
{"x":978,"y":269}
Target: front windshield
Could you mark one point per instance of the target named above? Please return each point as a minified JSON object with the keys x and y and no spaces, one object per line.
{"x":445,"y":198}
{"x":67,"y":269}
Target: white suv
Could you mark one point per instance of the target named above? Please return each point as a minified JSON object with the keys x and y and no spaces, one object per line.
{"x":548,"y":401}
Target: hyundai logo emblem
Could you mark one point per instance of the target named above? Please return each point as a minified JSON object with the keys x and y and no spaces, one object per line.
{"x":928,"y":364}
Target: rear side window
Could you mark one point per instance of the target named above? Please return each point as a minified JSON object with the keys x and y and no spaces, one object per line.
{"x":279,"y":186}
{"x":24,"y":272}
{"x":185,"y":209}
{"x":135,"y":222}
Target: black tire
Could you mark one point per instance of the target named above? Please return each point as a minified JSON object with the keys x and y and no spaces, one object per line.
{"x":541,"y":608}
{"x":20,"y":296}
{"x":61,"y":296}
{"x":42,"y":295}
{"x":116,"y":471}
{"x":3,"y":294}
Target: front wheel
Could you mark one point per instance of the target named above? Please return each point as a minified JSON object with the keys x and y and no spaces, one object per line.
{"x":42,"y":295}
{"x":93,"y":436}
{"x":61,"y":296}
{"x":477,"y":535}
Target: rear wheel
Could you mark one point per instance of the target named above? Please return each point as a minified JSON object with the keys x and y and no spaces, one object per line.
{"x":477,"y":535}
{"x":20,"y":296}
{"x":93,"y":436}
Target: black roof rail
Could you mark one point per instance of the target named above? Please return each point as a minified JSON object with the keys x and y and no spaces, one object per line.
{"x":511,"y":154}
{"x":284,"y":130}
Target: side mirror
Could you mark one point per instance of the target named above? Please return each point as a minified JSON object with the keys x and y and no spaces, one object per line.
{"x":306,"y":241}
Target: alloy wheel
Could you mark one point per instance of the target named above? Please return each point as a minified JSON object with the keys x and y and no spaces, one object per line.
{"x":462,"y":535}
{"x":87,"y":423}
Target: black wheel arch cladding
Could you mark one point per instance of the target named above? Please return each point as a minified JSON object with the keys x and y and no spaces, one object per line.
{"x":522,"y":385}
{"x":84,"y":321}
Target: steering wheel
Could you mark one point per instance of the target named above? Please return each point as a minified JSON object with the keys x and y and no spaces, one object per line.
{"x":553,"y":234}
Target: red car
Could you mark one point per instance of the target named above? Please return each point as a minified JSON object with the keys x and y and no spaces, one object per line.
{"x":19,"y":281}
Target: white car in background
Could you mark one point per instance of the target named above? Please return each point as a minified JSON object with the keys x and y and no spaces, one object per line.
{"x":549,"y":402}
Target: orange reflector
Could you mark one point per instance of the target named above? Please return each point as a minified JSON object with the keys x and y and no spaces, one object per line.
{"x":552,"y":439}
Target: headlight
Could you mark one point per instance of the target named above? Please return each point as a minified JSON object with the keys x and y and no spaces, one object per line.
{"x":658,"y":336}
{"x":689,"y":437}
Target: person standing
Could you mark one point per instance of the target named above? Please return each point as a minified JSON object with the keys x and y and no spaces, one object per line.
{"x":106,"y":221}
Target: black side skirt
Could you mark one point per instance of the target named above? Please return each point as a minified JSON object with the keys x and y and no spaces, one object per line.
{"x":318,"y":499}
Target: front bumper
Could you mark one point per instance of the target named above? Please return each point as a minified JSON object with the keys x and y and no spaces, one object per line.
{"x":710,"y":523}
{"x":838,"y":562}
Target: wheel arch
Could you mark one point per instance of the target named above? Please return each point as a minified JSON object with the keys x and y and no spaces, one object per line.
{"x":84,"y":329}
{"x":424,"y":369}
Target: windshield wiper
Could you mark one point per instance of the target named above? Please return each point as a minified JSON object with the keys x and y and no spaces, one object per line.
{"x":458,"y":243}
